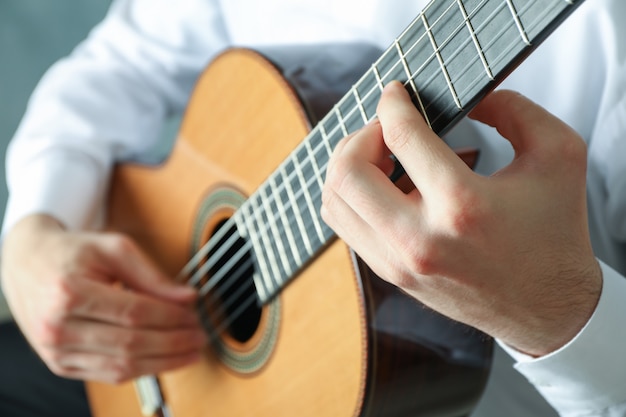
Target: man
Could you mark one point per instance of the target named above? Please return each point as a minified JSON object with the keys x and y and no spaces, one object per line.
{"x":534,"y":281}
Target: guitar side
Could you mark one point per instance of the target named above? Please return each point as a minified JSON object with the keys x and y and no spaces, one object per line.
{"x":342,"y":342}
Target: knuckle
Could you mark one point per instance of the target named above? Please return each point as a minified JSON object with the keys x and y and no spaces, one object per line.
{"x":567,"y":147}
{"x":57,"y":369}
{"x":341,"y":169}
{"x":328,"y":205}
{"x":466,"y":214}
{"x":419,"y":254}
{"x":132,"y":314}
{"x":81,"y":252}
{"x":121,"y":243}
{"x":177,"y":342}
{"x":64,"y":297}
{"x":54,"y":359}
{"x":422,"y":259}
{"x":50,"y":333}
{"x":461,"y":214}
{"x":122,"y":369}
{"x":405,"y":279}
{"x":130,"y":342}
{"x":574,"y":150}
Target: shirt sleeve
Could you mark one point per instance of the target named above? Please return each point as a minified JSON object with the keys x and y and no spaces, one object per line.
{"x":586,"y":376}
{"x":107,"y":102}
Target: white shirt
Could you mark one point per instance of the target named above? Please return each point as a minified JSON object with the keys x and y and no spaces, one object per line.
{"x":107,"y":102}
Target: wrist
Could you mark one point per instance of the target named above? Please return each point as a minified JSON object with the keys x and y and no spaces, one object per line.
{"x":561,"y":315}
{"x":38,"y":222}
{"x":29,"y":232}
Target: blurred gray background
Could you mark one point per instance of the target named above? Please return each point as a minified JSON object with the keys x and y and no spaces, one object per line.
{"x":34,"y":34}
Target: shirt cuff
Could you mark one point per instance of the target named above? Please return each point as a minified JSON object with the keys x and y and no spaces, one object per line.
{"x":586,"y":375}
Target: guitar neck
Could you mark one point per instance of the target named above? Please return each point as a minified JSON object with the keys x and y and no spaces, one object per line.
{"x":449,"y":57}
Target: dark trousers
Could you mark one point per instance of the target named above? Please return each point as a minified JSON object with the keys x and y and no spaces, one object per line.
{"x":28,"y":388}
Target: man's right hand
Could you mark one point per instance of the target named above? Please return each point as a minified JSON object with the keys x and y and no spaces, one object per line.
{"x":93,"y":306}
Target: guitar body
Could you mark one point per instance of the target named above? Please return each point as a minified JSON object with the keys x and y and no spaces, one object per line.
{"x":337,"y":340}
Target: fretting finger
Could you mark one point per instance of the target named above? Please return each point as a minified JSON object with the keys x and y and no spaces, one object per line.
{"x":428,"y":160}
{"x":357,"y":234}
{"x":360,"y":202}
{"x":360,"y":175}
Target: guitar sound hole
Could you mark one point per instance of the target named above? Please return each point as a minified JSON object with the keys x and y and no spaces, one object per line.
{"x":232,"y":304}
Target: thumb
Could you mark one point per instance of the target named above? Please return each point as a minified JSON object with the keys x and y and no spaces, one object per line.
{"x":528,"y":126}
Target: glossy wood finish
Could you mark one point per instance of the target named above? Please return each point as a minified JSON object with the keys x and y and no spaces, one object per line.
{"x":349,"y":344}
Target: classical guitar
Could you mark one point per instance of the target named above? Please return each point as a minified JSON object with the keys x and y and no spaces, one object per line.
{"x":299,"y":326}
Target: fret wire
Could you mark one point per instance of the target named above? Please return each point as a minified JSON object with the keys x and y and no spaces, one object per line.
{"x":437,"y":49}
{"x":340,"y":119}
{"x":261,"y":279}
{"x":411,"y":80}
{"x":282,"y":253}
{"x":428,"y":33}
{"x":377,"y":62}
{"x":190,"y":267}
{"x":359,"y":104}
{"x":529,"y":27}
{"x":265,"y":238}
{"x":296,"y":208}
{"x":272,"y":270}
{"x":443,"y":44}
{"x":441,"y":63}
{"x":379,"y":81}
{"x":369,"y":100}
{"x":502,"y":30}
{"x":318,"y":174}
{"x":406,"y":30}
{"x":325,"y":140}
{"x":281,"y":212}
{"x":522,"y":32}
{"x":308,"y":200}
{"x":500,"y":33}
{"x":456,"y":31}
{"x":511,"y":46}
{"x":483,"y":59}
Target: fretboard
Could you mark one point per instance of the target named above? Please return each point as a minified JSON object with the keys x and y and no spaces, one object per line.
{"x":449,"y":57}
